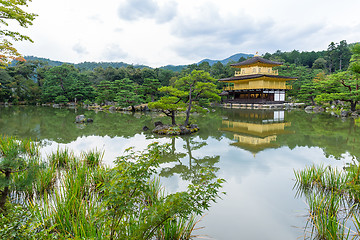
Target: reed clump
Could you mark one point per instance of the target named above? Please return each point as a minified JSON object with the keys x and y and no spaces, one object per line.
{"x":333,"y":198}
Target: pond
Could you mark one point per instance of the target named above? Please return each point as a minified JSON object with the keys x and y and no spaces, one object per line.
{"x":255,"y":151}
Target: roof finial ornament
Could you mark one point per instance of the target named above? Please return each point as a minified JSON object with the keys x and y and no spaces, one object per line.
{"x":256,"y":54}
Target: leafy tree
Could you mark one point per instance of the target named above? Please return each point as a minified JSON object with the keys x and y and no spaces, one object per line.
{"x":319,"y":63}
{"x":11,"y":10}
{"x":198,"y":85}
{"x":344,"y":55}
{"x":171,"y":104}
{"x":126,"y":93}
{"x":349,"y":82}
{"x":150,"y":87}
{"x":303,"y":74}
{"x":204,"y":66}
{"x":59,"y":81}
{"x":218,"y":70}
{"x":61,"y":99}
{"x":23,"y":85}
{"x":105,"y":92}
{"x":5,"y":90}
{"x":348,"y":92}
{"x":308,"y":91}
{"x":81,"y":89}
{"x":164,"y":76}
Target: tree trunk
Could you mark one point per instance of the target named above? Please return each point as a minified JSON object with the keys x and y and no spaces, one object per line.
{"x":173,"y":122}
{"x":312,"y":100}
{"x":353,"y":105}
{"x":5,"y":192}
{"x":188,"y":109}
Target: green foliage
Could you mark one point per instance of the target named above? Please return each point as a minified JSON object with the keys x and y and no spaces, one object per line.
{"x":170,"y":104}
{"x":303,"y":74}
{"x":128,"y":196}
{"x":126,"y":93}
{"x":198,"y":85}
{"x":19,"y":162}
{"x":19,"y":223}
{"x":61,"y":99}
{"x":105,"y":92}
{"x":90,"y":202}
{"x":150,"y":87}
{"x":12,"y":10}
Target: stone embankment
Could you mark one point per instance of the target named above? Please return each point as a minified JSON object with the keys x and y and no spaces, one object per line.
{"x":333,"y":111}
{"x":112,"y":108}
{"x":262,"y":106}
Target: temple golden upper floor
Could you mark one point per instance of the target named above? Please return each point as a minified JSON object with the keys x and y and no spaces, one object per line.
{"x":256,"y":70}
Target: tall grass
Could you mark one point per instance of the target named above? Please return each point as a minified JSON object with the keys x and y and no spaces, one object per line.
{"x":333,"y":198}
{"x":93,"y":158}
{"x":45,"y":180}
{"x":62,"y":158}
{"x":73,"y":207}
{"x":178,"y":229}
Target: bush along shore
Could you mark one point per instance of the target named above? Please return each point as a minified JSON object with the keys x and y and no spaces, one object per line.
{"x":77,"y":197}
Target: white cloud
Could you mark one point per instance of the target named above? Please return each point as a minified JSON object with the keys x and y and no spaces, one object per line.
{"x":160,"y":32}
{"x":79,"y":49}
{"x":113,"y":52}
{"x":132,"y":10}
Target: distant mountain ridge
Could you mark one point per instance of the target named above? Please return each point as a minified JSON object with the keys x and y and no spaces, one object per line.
{"x":225,"y":61}
{"x":175,"y":68}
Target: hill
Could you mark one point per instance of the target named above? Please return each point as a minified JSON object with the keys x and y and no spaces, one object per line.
{"x":93,"y":65}
{"x":234,"y":58}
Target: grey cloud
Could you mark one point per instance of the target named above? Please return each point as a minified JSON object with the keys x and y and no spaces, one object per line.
{"x":79,"y":49}
{"x":114,"y":52}
{"x":167,"y":12}
{"x":133,"y":10}
{"x":210,"y":34}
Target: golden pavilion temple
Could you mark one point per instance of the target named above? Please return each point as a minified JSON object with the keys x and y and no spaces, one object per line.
{"x":255,"y":81}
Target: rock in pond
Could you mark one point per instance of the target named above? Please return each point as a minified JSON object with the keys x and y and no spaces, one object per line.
{"x":344,"y":113}
{"x":158,"y":123}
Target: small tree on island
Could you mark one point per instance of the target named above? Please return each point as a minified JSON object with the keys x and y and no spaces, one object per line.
{"x":190,"y":93}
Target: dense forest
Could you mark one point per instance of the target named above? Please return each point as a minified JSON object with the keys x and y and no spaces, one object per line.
{"x":323,"y":76}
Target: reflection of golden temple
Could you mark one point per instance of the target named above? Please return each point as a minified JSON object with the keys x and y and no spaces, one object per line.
{"x":256,"y":129}
{"x":257,"y":135}
{"x":254,"y":140}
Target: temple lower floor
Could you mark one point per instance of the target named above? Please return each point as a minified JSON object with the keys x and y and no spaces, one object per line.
{"x":255,"y":96}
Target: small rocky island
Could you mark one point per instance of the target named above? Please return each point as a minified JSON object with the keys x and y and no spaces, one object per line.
{"x":165,"y":129}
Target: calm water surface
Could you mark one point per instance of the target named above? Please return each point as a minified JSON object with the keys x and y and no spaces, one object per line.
{"x":255,"y":151}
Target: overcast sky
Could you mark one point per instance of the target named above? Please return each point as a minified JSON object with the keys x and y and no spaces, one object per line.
{"x":161,"y":32}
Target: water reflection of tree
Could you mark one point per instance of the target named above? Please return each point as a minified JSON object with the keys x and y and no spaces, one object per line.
{"x":191,"y":170}
{"x":59,"y":124}
{"x":333,"y":135}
